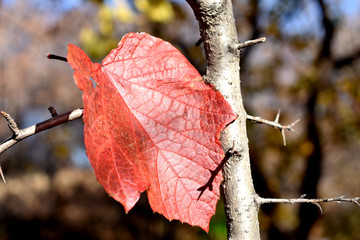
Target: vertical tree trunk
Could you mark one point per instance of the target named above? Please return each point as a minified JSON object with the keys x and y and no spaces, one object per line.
{"x":218,"y":32}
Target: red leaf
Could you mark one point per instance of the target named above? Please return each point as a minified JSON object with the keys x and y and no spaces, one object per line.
{"x":151,"y":123}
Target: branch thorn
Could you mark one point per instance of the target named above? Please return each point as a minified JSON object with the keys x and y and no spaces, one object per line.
{"x":277,"y":116}
{"x":319,"y":206}
{"x":53,"y":112}
{"x":2,"y":175}
{"x":250,"y":43}
{"x":198,"y":42}
{"x":275,"y":124}
{"x":283,"y":136}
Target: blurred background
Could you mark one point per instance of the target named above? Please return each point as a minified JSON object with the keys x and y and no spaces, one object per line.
{"x":309,"y":68}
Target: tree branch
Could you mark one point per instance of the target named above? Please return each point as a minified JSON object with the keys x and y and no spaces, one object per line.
{"x":20,"y":134}
{"x":316,"y":201}
{"x":221,"y":44}
{"x":275,"y":124}
{"x":2,"y":175}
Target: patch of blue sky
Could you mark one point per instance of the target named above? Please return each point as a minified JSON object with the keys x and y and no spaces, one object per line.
{"x":61,"y":6}
{"x":79,"y":158}
{"x":348,"y":8}
{"x":8,"y":3}
{"x":308,"y":19}
{"x":43,"y":5}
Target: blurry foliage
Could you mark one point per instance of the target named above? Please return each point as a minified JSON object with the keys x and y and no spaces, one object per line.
{"x":97,"y":43}
{"x":347,"y":219}
{"x":51,"y":192}
{"x":98,"y":40}
{"x":218,"y":226}
{"x":156,"y":10}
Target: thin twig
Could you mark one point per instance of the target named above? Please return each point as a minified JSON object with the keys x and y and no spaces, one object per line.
{"x":315,"y":201}
{"x":56,"y":57}
{"x":275,"y":124}
{"x":20,"y":134}
{"x":250,"y":43}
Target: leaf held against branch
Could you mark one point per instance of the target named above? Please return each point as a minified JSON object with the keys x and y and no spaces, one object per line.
{"x":151,"y":123}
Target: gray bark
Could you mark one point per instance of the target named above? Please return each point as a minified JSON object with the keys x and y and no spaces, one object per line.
{"x":218,"y":32}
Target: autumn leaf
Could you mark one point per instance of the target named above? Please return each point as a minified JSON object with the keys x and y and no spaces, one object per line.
{"x":151,"y":123}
